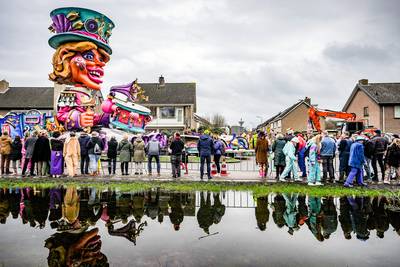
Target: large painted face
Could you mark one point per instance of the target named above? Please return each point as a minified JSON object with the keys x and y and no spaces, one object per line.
{"x":87,"y":69}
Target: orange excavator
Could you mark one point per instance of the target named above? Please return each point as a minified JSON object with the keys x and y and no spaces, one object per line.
{"x":351,"y":124}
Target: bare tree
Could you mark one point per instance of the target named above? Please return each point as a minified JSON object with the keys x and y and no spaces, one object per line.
{"x":218,"y":120}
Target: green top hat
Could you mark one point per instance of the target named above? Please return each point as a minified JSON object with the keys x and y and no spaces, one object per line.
{"x":74,"y":24}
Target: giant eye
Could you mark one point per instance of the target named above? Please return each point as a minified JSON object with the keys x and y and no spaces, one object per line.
{"x":88,"y":55}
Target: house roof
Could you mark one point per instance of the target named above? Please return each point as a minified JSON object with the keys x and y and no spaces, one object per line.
{"x":27,"y":98}
{"x":170,"y":93}
{"x":381,"y":93}
{"x":201,"y":120}
{"x":285,"y":112}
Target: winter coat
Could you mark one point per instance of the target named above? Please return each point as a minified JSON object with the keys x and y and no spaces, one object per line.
{"x":262,"y":151}
{"x":29,"y":146}
{"x":176,"y":147}
{"x":125,"y":150}
{"x":5,"y":145}
{"x":290,"y":151}
{"x":380,"y":144}
{"x":153,"y":148}
{"x":219,"y":148}
{"x":72,"y":147}
{"x":91,"y":144}
{"x":369,"y":149}
{"x":302,"y":143}
{"x":357,"y":158}
{"x":112,"y":149}
{"x":139,"y":154}
{"x":393,"y":156}
{"x":205,"y":146}
{"x":56,"y":144}
{"x":328,"y":147}
{"x":16,"y":150}
{"x":83,"y":141}
{"x":262,"y":212}
{"x":41,"y":151}
{"x":277,"y":147}
{"x":344,"y":146}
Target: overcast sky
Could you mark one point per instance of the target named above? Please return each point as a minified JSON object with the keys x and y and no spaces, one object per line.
{"x":250,"y":58}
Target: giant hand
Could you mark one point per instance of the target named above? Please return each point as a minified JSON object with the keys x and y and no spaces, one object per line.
{"x":87,"y":119}
{"x":86,"y":250}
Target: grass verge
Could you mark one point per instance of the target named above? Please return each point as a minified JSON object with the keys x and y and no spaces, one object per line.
{"x":258,"y":189}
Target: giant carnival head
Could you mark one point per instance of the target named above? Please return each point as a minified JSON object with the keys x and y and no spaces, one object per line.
{"x":81,"y":43}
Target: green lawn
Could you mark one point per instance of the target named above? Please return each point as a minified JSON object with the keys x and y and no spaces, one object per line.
{"x":258,"y":189}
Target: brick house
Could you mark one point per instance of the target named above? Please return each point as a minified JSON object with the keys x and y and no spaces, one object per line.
{"x":377,"y":104}
{"x":295,"y":116}
{"x":172,"y":105}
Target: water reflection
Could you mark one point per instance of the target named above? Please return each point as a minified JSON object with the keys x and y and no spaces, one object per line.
{"x":75,"y":216}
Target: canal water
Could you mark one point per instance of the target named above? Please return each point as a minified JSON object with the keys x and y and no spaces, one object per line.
{"x":89,"y":227}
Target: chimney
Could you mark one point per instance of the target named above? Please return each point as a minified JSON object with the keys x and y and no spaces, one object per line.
{"x":307,"y":100}
{"x":363,"y":82}
{"x":161,"y":81}
{"x":4,"y":86}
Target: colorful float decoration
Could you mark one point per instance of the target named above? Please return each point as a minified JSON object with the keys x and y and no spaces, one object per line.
{"x":125,"y":113}
{"x":17,"y":123}
{"x":234,"y":142}
{"x":82,"y":50}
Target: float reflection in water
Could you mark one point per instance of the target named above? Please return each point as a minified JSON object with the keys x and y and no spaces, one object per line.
{"x":75,"y":218}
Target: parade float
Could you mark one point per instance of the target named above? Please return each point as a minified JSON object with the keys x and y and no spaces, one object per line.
{"x":17,"y":123}
{"x":82,"y":48}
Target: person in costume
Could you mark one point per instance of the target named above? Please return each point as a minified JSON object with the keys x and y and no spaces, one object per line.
{"x":82,"y":50}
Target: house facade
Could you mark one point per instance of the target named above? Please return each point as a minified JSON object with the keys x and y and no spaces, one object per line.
{"x":295,"y":117}
{"x":172,"y":105}
{"x":376,"y":104}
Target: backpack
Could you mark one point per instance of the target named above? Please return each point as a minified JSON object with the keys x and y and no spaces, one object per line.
{"x":154,"y":148}
{"x":97,"y":149}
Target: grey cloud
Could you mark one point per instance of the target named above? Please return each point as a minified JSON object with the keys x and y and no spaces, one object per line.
{"x":359,"y":53}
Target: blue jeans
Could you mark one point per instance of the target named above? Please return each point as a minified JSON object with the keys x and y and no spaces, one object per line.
{"x":93,"y":160}
{"x":150,"y":159}
{"x":355,"y":172}
{"x":302,"y":162}
{"x":204,"y":159}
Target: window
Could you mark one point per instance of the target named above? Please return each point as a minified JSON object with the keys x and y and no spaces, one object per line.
{"x":279,"y":123}
{"x":167,"y":113}
{"x":153,"y":111}
{"x":180,"y":115}
{"x":397,"y":112}
{"x":366,"y":112}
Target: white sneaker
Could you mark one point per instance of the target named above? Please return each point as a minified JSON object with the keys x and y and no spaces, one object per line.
{"x":311,"y":184}
{"x":318,"y":183}
{"x":282,"y":180}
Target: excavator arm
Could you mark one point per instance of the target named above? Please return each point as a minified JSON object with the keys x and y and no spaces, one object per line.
{"x":314,"y":115}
